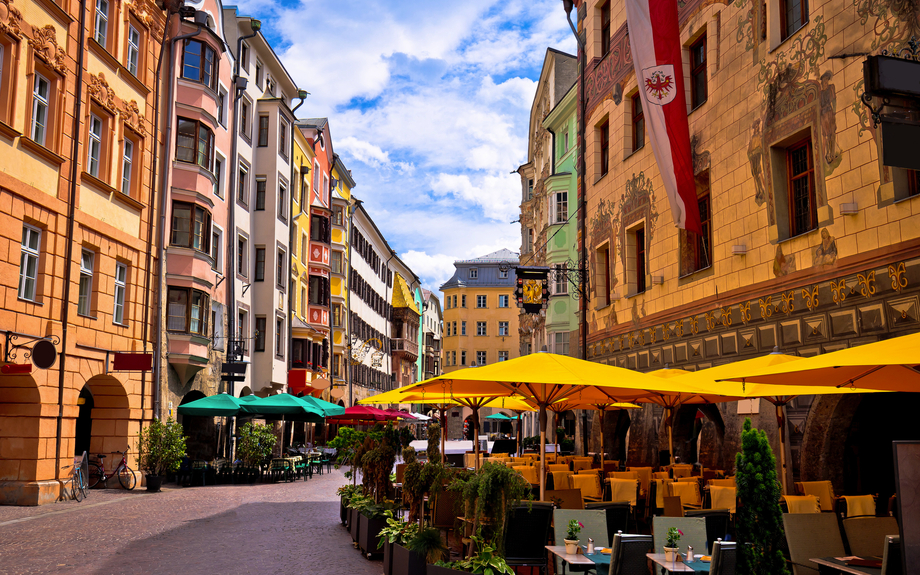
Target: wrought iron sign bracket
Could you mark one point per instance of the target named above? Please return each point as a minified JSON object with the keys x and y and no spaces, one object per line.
{"x":12,"y":345}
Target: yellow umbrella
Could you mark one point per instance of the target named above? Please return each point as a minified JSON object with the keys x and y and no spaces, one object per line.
{"x":887,"y":365}
{"x":545,"y":378}
{"x":575,"y":403}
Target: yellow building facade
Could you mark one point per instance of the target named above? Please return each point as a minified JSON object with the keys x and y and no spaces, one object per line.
{"x":339,"y":262}
{"x":480,"y":316}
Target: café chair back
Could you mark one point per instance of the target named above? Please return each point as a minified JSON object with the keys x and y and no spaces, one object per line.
{"x":628,"y":554}
{"x":823,"y":490}
{"x":590,"y":486}
{"x":526,"y":534}
{"x":866,"y":535}
{"x":693,"y":528}
{"x":724,"y":558}
{"x":717,"y":521}
{"x":594,"y":523}
{"x":617,"y":515}
{"x":811,"y":535}
{"x":565,"y":498}
{"x":672,"y":507}
{"x":891,"y":557}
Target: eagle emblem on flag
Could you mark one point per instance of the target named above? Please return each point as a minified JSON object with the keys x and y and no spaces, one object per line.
{"x":660,"y":85}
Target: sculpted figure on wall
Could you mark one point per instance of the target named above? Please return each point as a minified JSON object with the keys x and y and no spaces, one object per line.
{"x":755,"y":157}
{"x":828,"y":99}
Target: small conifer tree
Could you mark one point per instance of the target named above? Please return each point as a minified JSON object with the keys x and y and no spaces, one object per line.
{"x":760,"y":519}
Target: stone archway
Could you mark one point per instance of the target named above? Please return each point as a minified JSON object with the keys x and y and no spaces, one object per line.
{"x":110,"y":418}
{"x":824,"y":439}
{"x":616,"y":427}
{"x":20,"y":437}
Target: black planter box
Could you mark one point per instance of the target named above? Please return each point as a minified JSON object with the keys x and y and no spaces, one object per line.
{"x":435,"y":570}
{"x":368,"y":534}
{"x":406,"y":562}
{"x":387,"y":557}
{"x":354,"y":523}
{"x":343,"y":511}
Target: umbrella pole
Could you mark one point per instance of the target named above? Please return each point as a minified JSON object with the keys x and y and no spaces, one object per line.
{"x":781,"y":423}
{"x":669,"y":414}
{"x":603,"y":413}
{"x":476,"y":437}
{"x":542,"y":451}
{"x":443,"y":413}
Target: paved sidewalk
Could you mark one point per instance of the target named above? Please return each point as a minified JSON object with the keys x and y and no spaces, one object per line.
{"x":226,"y":529}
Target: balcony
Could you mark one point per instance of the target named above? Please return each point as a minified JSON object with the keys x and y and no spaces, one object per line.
{"x":405,"y":349}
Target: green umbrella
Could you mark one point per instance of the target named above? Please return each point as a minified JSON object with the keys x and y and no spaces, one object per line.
{"x":326,"y":407}
{"x":284,"y":404}
{"x":249,"y":398}
{"x":220,"y":404}
{"x":501,"y":416}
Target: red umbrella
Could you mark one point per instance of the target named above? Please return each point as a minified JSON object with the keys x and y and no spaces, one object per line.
{"x":399,"y":414}
{"x":358,"y":414}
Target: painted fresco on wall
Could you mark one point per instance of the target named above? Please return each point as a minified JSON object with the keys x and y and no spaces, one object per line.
{"x":826,"y":251}
{"x":636,"y":204}
{"x":783,"y":264}
{"x":756,"y":159}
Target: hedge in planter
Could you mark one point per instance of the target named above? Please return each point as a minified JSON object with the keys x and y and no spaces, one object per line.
{"x":485,"y":561}
{"x":396,"y":532}
{"x":255,"y":444}
{"x":161,"y":448}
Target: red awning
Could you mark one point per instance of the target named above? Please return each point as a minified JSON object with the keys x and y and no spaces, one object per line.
{"x":297,"y":382}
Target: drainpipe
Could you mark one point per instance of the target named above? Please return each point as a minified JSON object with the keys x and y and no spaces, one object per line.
{"x":238,"y":88}
{"x":71,"y":214}
{"x":349,"y":371}
{"x":302,"y":94}
{"x":153,"y":198}
{"x":161,"y":237}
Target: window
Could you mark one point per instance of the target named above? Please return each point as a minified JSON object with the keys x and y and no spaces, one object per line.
{"x":530,"y":189}
{"x":462,"y":328}
{"x":463,"y":300}
{"x":319,"y":229}
{"x":793,"y":15}
{"x":280,"y":269}
{"x":242,"y":263}
{"x":602,"y":281}
{"x":480,"y":301}
{"x":199,"y":63}
{"x":101,"y":27}
{"x":244,"y":57}
{"x":336,"y":262}
{"x":800,"y":171}
{"x":503,"y":356}
{"x":94,"y":149}
{"x":481,"y":328}
{"x":259,"y":74}
{"x":698,"y":86}
{"x":28,"y":263}
{"x":259,"y":336}
{"x":636,"y":265}
{"x":41,"y":94}
{"x":216,"y":251}
{"x":565,"y":140}
{"x":84,"y":301}
{"x":503,"y":274}
{"x":480,"y":358}
{"x":218,"y":177}
{"x":336,"y":315}
{"x":560,"y":281}
{"x":604,"y":150}
{"x":282,"y":138}
{"x":245,"y":108}
{"x":260,"y":264}
{"x":474,"y":273}
{"x":503,"y":328}
{"x":195,"y":143}
{"x":263,"y":131}
{"x":338,"y":216}
{"x":242,"y":194}
{"x":462,"y":358}
{"x":279,"y":337}
{"x":561,"y":343}
{"x":319,"y":290}
{"x":121,"y":287}
{"x":260,"y":194}
{"x":503,"y":301}
{"x":696,"y":250}
{"x":191,"y":227}
{"x":222,"y":107}
{"x":304,"y":248}
{"x":187,"y":311}
{"x":242,"y":327}
{"x":282,"y":200}
{"x":127,"y":166}
{"x":134,"y":49}
{"x":562,"y":207}
{"x":455,"y":302}
{"x":303,"y":301}
{"x":605,"y":29}
{"x":638,"y":122}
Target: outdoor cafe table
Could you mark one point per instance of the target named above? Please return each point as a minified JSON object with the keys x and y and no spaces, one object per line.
{"x":578,"y":558}
{"x":831,"y":565}
{"x":677,"y":566}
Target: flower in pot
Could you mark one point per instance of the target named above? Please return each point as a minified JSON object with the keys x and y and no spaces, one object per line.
{"x":571,"y":536}
{"x":670,"y":548}
{"x":485,"y":561}
{"x":161,"y":447}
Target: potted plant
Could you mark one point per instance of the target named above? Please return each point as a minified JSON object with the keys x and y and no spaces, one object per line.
{"x":346,"y":492}
{"x":396,"y":532}
{"x":571,"y":536}
{"x":485,"y":561}
{"x":254,"y":446}
{"x":759,"y":518}
{"x":426,"y":547}
{"x":671,"y":551}
{"x":160,"y":447}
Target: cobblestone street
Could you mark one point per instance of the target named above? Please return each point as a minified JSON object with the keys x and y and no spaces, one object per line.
{"x":264,"y":528}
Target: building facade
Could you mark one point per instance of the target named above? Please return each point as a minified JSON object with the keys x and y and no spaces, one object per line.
{"x":405,"y":324}
{"x":432,"y":334}
{"x":809,"y":239}
{"x":480,"y":316}
{"x":548,"y":183}
{"x":77,"y":218}
{"x":342,"y":210}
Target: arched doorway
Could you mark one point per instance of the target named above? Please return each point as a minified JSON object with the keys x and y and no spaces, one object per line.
{"x":20,"y":430}
{"x":83,"y":431}
{"x":868,"y":459}
{"x":109,"y":417}
{"x":201,"y":432}
{"x":616,"y":426}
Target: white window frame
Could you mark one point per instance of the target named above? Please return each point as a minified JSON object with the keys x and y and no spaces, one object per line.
{"x":94,"y":149}
{"x":101,"y":22}
{"x":481,"y":358}
{"x":504,"y":299}
{"x":503,"y":356}
{"x":217,"y":252}
{"x":481,"y":301}
{"x":481,"y":328}
{"x":30,"y":258}
{"x":560,"y":281}
{"x":474,"y":273}
{"x":504,"y":328}
{"x":503,"y":274}
{"x":127,"y":164}
{"x":134,"y":49}
{"x":85,"y":297}
{"x":40,"y":107}
{"x":561,"y":204}
{"x":463,"y":327}
{"x":121,"y":288}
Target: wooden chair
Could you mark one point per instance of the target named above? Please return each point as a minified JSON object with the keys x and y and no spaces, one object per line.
{"x":579,"y":464}
{"x":624,"y":490}
{"x":564,"y":498}
{"x":689,"y":493}
{"x":681,"y":470}
{"x":589,"y":485}
{"x":811,"y":535}
{"x":529,"y":472}
{"x":526,"y":532}
{"x":723,"y":497}
{"x":856,"y":506}
{"x":726,"y":482}
{"x":802,"y":504}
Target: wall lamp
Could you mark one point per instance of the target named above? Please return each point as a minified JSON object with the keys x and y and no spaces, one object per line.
{"x":304,"y":170}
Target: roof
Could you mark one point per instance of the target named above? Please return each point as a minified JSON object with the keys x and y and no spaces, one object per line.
{"x":402,"y":295}
{"x":502,"y":255}
{"x":318,"y":123}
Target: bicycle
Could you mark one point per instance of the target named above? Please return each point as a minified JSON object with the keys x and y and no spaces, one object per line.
{"x":77,"y":480}
{"x":125,"y":476}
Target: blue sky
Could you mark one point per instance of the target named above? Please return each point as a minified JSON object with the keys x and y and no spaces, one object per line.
{"x":428,"y":103}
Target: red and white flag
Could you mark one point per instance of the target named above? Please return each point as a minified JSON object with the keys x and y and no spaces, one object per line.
{"x":654,"y":38}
